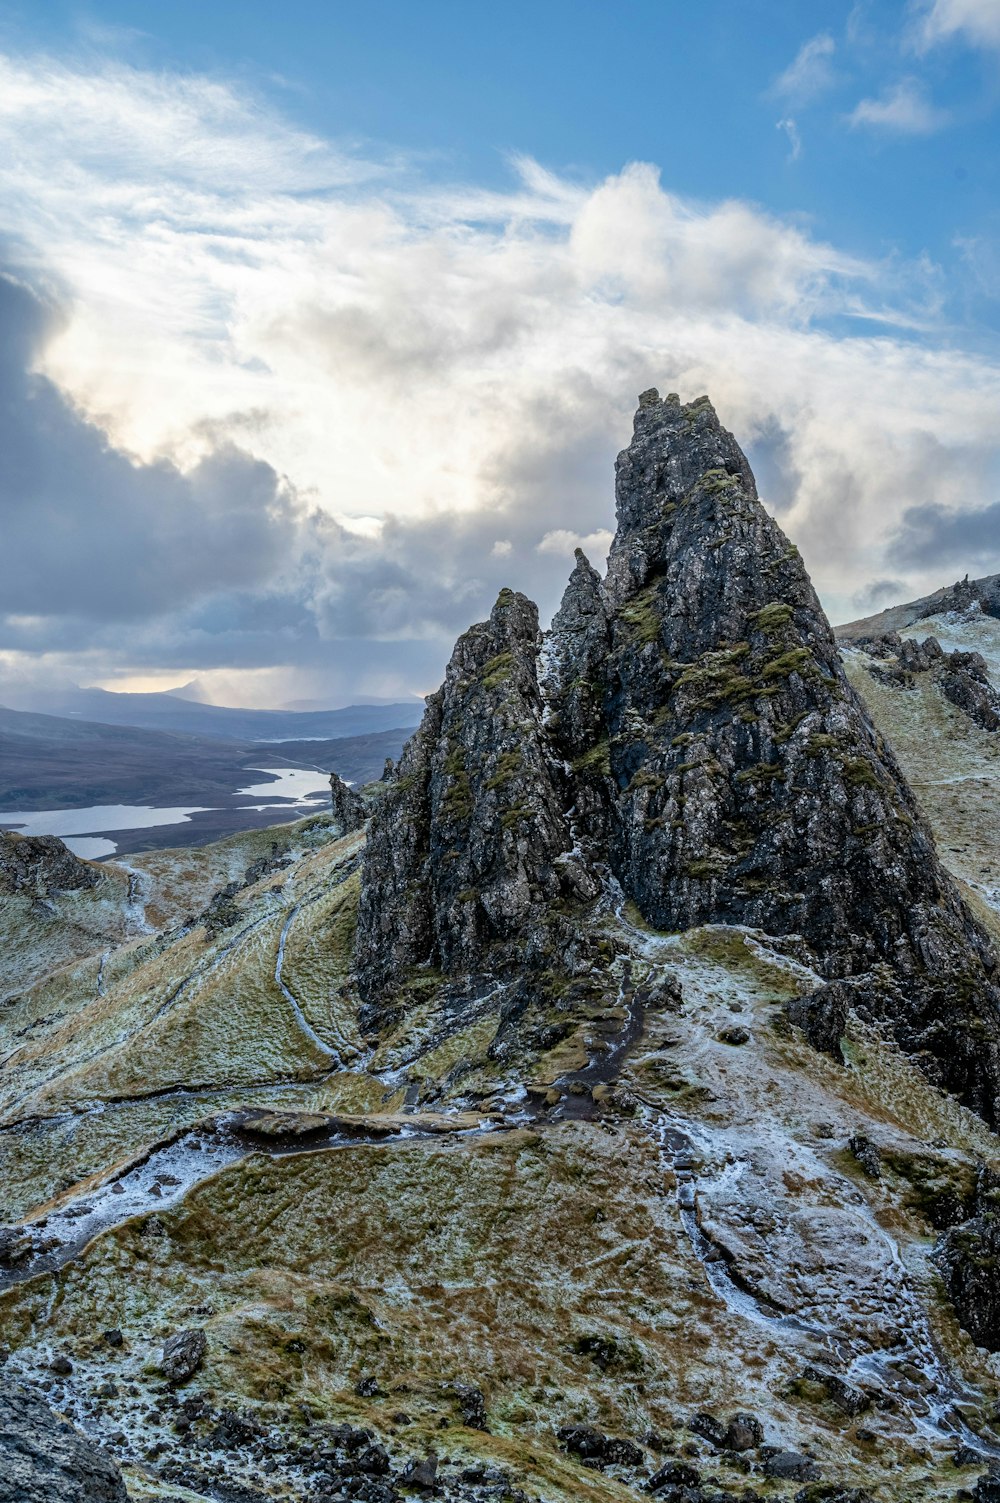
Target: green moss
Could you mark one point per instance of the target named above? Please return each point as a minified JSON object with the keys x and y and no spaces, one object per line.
{"x":646,"y":779}
{"x":715,"y":677}
{"x":763,"y":772}
{"x":797,"y":660}
{"x":860,"y":774}
{"x":497,"y":670}
{"x":773,"y":616}
{"x":515,"y":816}
{"x":597,"y":759}
{"x":704,"y":867}
{"x":508,"y":766}
{"x":820,"y":742}
{"x":642,"y":618}
{"x":684,"y":739}
{"x":784,"y":732}
{"x":457,"y":800}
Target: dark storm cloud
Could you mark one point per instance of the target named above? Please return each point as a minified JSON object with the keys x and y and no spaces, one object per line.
{"x":91,"y":534}
{"x":968,"y":540}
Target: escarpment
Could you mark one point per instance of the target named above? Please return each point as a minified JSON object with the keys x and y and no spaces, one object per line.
{"x":688,"y":737}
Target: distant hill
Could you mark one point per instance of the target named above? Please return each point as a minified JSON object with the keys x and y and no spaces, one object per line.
{"x":960,"y":596}
{"x":52,"y":762}
{"x":170,"y":712}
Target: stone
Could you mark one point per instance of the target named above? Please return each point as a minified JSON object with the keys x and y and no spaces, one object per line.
{"x":791,"y":1466}
{"x":674,"y":1474}
{"x":422,"y":1474}
{"x":349,"y":808}
{"x":473,"y":1405}
{"x":591,"y":1444}
{"x":822,"y":1016}
{"x":968,"y":1257}
{"x":744,"y":1432}
{"x":469,"y":851}
{"x":183,"y":1354}
{"x":867,"y":1154}
{"x":42,"y":864}
{"x":46,"y":1460}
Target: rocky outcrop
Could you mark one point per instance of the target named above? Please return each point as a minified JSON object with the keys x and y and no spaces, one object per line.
{"x":43,"y":1459}
{"x":965,"y":682}
{"x":961,"y":676}
{"x":968,"y":1256}
{"x":822,"y":1016}
{"x":965,"y":597}
{"x":692,"y":731}
{"x":470,"y":853}
{"x":349,"y":810}
{"x":42,"y":864}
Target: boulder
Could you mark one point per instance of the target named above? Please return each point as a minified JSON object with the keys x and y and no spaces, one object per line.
{"x":44,"y":1459}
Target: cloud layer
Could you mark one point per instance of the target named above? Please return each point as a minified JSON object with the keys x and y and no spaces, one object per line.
{"x":287,"y":416}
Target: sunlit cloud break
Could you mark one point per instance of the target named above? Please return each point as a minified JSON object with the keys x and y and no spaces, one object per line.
{"x":427,"y":381}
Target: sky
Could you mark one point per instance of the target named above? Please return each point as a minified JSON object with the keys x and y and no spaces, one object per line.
{"x":319,"y":323}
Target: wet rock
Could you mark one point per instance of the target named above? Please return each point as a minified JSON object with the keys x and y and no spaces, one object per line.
{"x":848,"y":1399}
{"x":41,"y":864}
{"x":709,"y":1428}
{"x":473,"y":1405}
{"x":422,"y":1474}
{"x":744,"y":1432}
{"x":867,"y":1154}
{"x":366,"y":1388}
{"x":735,"y":1034}
{"x":968,"y":1257}
{"x":674,"y":1474}
{"x":183,"y":1354}
{"x":593,"y":1445}
{"x":987,"y":1488}
{"x":349,"y":809}
{"x":15,"y":1246}
{"x":791,"y":1466}
{"x":822,"y":1016}
{"x":43,"y":1459}
{"x":61,"y":1365}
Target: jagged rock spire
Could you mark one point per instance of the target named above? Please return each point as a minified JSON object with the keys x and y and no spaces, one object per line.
{"x":471,"y":848}
{"x":702,"y":741}
{"x":744,"y":780}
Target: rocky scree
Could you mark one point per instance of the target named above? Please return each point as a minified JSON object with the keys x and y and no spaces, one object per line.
{"x":692,"y":733}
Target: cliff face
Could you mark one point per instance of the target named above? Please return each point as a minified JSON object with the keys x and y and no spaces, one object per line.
{"x":692,"y":732}
{"x":470,"y":852}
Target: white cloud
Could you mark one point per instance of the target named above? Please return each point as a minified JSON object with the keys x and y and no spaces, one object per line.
{"x":810,"y":73}
{"x":902,"y":109}
{"x":791,"y":130}
{"x":451,"y":368}
{"x":976,"y":22}
{"x":562,"y":542}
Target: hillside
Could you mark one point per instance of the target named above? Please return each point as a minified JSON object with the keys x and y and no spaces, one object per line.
{"x":610,"y":1113}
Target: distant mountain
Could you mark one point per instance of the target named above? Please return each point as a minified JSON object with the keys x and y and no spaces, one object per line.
{"x":171,"y":712}
{"x":965,"y":593}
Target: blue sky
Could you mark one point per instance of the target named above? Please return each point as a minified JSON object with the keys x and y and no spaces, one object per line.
{"x":249,"y":228}
{"x":585,"y":87}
